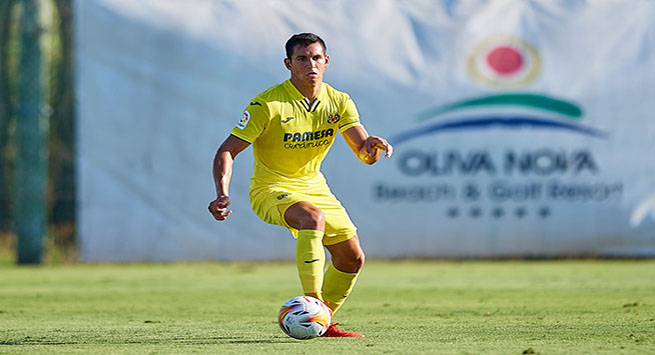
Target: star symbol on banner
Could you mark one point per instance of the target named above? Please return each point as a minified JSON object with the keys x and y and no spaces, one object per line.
{"x":520,"y":212}
{"x":544,"y":212}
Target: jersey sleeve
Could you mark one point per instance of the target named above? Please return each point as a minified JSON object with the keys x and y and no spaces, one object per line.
{"x":349,"y":115}
{"x":253,"y":121}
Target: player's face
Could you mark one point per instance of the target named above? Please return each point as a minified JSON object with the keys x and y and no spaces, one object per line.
{"x":307,"y":64}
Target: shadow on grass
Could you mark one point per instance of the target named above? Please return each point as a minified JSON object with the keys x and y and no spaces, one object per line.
{"x":186,"y":341}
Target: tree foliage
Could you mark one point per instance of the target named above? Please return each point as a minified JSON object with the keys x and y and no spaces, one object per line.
{"x":57,"y":45}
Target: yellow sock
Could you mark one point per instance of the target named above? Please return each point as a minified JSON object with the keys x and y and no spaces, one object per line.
{"x":337,"y":286}
{"x":310,"y":259}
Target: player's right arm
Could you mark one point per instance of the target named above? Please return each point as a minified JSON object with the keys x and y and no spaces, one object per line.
{"x":222,"y":171}
{"x":253,"y":122}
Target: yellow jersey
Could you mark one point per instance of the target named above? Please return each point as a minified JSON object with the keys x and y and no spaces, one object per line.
{"x":291,"y":136}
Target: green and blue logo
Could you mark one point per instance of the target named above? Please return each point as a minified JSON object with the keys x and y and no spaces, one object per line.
{"x":503,"y":62}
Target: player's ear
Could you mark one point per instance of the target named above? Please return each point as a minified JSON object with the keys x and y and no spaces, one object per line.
{"x":287,"y":63}
{"x":327,"y":60}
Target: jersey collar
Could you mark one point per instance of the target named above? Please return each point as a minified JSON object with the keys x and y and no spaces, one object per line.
{"x":297,"y":95}
{"x":310,"y":106}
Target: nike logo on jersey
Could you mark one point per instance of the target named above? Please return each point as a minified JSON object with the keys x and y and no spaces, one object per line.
{"x":255,"y":103}
{"x":287,"y":119}
{"x":311,"y":261}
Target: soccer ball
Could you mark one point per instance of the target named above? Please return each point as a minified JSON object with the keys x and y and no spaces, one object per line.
{"x":304,"y":317}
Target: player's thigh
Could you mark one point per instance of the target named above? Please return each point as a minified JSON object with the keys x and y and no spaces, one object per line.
{"x":271,"y":205}
{"x":304,"y":215}
{"x":338,"y":225}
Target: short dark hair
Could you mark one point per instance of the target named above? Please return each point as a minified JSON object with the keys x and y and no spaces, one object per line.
{"x":303,"y":40}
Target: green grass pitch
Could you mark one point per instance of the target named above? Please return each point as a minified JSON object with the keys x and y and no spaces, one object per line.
{"x":403,"y":307}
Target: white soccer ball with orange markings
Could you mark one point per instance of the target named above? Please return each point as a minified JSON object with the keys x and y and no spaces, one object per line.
{"x":304,"y":317}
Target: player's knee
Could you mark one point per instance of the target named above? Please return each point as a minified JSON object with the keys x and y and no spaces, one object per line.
{"x":305,"y":216}
{"x":351,"y":263}
{"x":358,"y":262}
{"x":313,"y":218}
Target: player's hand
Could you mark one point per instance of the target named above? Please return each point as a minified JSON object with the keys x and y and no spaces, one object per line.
{"x":218,"y":208}
{"x":373,"y":143}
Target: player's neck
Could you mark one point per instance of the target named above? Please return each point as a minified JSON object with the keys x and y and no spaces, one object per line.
{"x":310,"y":91}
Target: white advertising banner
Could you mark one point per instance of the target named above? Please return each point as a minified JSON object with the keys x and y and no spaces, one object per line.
{"x":521,"y":128}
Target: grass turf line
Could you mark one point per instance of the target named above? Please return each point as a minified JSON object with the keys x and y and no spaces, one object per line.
{"x":504,"y":307}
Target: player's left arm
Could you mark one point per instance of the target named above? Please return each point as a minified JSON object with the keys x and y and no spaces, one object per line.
{"x":367,"y":148}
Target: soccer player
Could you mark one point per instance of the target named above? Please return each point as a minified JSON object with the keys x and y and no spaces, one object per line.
{"x":291,"y":127}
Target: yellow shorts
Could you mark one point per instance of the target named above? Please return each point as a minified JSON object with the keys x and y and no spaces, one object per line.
{"x":271,"y":202}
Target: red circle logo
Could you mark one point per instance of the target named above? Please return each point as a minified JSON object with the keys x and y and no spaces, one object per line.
{"x":505,"y":60}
